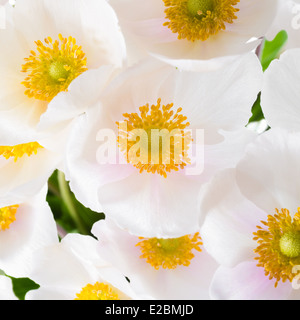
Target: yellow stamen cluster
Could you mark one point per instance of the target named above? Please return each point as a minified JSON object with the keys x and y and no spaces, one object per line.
{"x":53,"y":67}
{"x":19,"y":150}
{"x":155,"y":140}
{"x":279,"y":245}
{"x":170,"y":253}
{"x":7,"y":216}
{"x":199,"y":19}
{"x":97,"y":291}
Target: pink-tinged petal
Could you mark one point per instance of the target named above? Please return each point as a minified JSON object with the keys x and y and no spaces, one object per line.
{"x":147,"y":9}
{"x":246,"y":281}
{"x":230,"y":221}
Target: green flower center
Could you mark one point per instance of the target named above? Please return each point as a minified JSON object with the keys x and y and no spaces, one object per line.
{"x":290,"y":244}
{"x":200,"y":7}
{"x":57,"y":71}
{"x":170,"y":245}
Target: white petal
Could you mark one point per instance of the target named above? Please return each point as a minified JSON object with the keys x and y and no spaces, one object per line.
{"x":69,"y":266}
{"x":254,"y":17}
{"x":270,"y":180}
{"x":287,"y":19}
{"x":152,"y":205}
{"x":280,"y":92}
{"x":205,"y":100}
{"x":226,"y":153}
{"x":33,"y":229}
{"x":50,"y":294}
{"x":83,"y":92}
{"x":6,"y":289}
{"x":59,"y":270}
{"x":26,"y":176}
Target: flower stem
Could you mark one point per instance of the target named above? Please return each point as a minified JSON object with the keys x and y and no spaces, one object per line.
{"x":66,"y":197}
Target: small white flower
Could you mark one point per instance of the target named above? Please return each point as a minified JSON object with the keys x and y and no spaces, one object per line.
{"x":45,"y":46}
{"x":73,"y":270}
{"x":166,"y":269}
{"x":252,"y":225}
{"x":25,"y":227}
{"x":192,"y":29}
{"x":280,"y":93}
{"x":158,"y":198}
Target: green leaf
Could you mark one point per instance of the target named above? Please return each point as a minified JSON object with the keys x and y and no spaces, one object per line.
{"x":271,"y":49}
{"x":88,"y":216}
{"x":22,"y":285}
{"x":257,"y":113}
{"x":61,"y":212}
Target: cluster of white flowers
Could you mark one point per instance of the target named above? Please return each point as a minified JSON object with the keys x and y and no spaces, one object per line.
{"x":143,"y":107}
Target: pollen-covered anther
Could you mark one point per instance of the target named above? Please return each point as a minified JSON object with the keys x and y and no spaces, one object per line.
{"x":279,"y":245}
{"x":97,"y":291}
{"x":155,"y":140}
{"x":7,"y":216}
{"x":18,"y":151}
{"x":199,"y":19}
{"x":52,"y":67}
{"x":170,"y":253}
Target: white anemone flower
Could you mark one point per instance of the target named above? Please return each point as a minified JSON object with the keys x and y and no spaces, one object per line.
{"x":148,"y":190}
{"x":288,"y":19}
{"x":6,"y":289}
{"x":252,"y":225}
{"x":165,"y":269}
{"x":46,"y":45}
{"x":193,"y":29}
{"x":73,"y":270}
{"x":280,"y":93}
{"x":24,"y":228}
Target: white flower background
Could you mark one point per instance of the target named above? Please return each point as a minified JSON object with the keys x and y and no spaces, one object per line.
{"x":75,"y":227}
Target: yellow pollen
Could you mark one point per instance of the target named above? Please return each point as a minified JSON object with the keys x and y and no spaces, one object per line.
{"x":19,"y":150}
{"x":199,"y":19}
{"x":170,"y":253}
{"x":7,"y":216}
{"x":97,"y":291}
{"x":52,"y":68}
{"x":279,"y":245}
{"x":155,"y":140}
